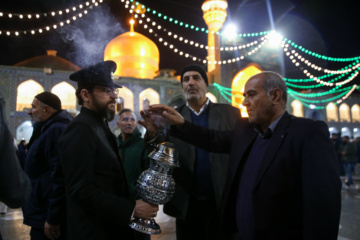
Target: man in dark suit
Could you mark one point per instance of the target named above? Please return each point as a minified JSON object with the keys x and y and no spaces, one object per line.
{"x":282,"y":181}
{"x":98,"y":199}
{"x":200,"y":180}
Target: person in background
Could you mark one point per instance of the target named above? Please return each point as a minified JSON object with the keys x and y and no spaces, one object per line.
{"x":283,"y":178}
{"x":133,"y":151}
{"x":45,"y":211}
{"x":99,"y":204}
{"x":15,"y":185}
{"x":200,"y":180}
{"x":132,"y":148}
{"x":348,"y":154}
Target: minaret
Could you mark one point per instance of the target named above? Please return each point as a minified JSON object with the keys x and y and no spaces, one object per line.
{"x":214,"y":16}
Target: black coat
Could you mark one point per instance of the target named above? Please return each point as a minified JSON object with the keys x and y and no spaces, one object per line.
{"x":297,"y":193}
{"x":42,"y":164}
{"x":98,"y":205}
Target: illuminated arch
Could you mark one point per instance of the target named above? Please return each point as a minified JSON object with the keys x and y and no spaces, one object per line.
{"x":331,"y":112}
{"x":126,"y":99}
{"x":26,"y":92}
{"x":66,"y":93}
{"x":148,"y":96}
{"x":355,"y":113}
{"x":238,"y":84}
{"x":211,"y":96}
{"x":356,"y":132}
{"x":345,"y":131}
{"x":297,"y":108}
{"x":344,"y":112}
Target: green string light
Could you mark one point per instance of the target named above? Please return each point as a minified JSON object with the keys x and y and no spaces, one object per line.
{"x":294,"y":45}
{"x":291,"y":43}
{"x":225,"y":92}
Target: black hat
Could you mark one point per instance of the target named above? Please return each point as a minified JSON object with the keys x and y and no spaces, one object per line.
{"x":98,"y":74}
{"x":49,"y":99}
{"x":197,"y":68}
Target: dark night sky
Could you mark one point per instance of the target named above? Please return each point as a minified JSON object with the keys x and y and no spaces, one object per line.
{"x":326,"y":27}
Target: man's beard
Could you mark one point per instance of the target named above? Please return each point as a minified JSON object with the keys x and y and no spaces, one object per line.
{"x":103,"y":110}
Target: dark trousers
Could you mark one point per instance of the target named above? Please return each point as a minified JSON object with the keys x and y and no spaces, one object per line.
{"x":37,"y":234}
{"x":201,"y":221}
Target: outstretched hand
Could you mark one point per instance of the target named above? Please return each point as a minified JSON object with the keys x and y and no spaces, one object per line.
{"x":169,"y":113}
{"x":152,"y":122}
{"x":155,"y":117}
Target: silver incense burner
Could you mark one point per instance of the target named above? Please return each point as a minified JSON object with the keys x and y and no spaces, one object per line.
{"x":156,"y":184}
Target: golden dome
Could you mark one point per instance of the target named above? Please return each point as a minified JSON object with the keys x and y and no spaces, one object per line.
{"x":135,"y":55}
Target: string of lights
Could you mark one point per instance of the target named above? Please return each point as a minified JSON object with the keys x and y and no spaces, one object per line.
{"x":294,"y":45}
{"x":194,"y":58}
{"x":191,"y":42}
{"x":34,"y":16}
{"x":52,"y":26}
{"x":332,"y":82}
{"x":293,"y":55}
{"x":344,"y":93}
{"x":288,"y":41}
{"x":133,"y":4}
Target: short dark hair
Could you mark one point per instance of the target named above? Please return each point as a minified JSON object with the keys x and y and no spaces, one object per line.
{"x":90,"y":89}
{"x":125,"y":110}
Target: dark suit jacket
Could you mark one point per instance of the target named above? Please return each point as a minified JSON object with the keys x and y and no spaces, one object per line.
{"x":98,"y":200}
{"x":221,"y":117}
{"x":298,"y":190}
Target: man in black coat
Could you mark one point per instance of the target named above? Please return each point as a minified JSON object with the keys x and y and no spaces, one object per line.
{"x":283,"y":180}
{"x":98,"y":199}
{"x":45,"y":210}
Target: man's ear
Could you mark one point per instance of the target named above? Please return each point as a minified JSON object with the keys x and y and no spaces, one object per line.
{"x":46,"y":109}
{"x":85,"y":95}
{"x":276,"y":95}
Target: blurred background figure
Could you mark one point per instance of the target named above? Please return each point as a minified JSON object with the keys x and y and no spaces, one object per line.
{"x":348,"y":153}
{"x":15,"y":185}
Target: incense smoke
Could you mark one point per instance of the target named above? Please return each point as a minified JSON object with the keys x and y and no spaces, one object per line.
{"x":89,"y":35}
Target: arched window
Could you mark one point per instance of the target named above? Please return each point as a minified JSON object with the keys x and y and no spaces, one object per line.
{"x":211,"y":96}
{"x":331,"y":112}
{"x":126,"y":98}
{"x":237,"y":86}
{"x":344,"y":112}
{"x":355,"y":113}
{"x":120,"y":103}
{"x":26,"y":92}
{"x":66,"y":93}
{"x":297,"y":108}
{"x":148,"y":96}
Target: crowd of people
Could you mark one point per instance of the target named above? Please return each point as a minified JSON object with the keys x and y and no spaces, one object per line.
{"x":269,"y":176}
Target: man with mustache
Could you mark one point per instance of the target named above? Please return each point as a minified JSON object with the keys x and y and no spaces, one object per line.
{"x":200,"y":180}
{"x":99,"y":205}
{"x":282,"y":181}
